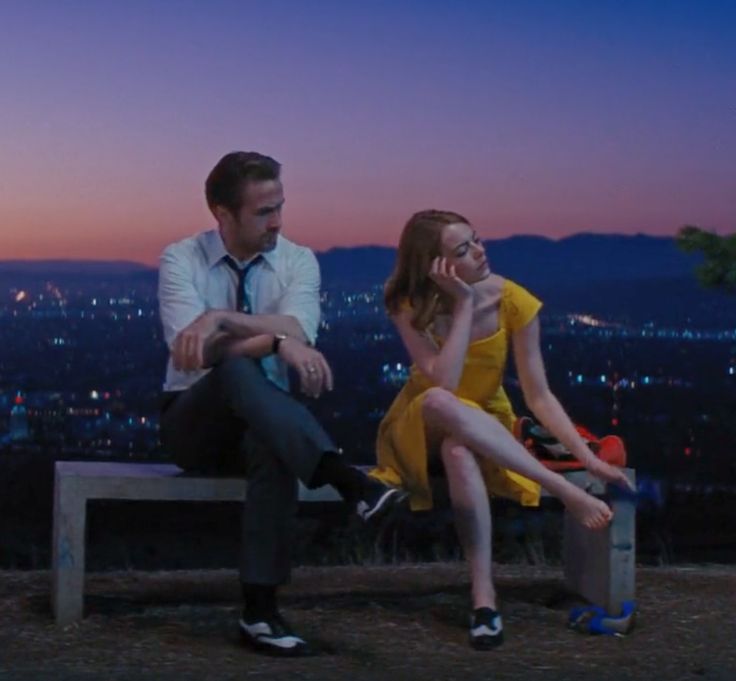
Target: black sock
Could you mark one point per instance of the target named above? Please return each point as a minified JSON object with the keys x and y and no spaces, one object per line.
{"x":260,"y":601}
{"x":332,"y":470}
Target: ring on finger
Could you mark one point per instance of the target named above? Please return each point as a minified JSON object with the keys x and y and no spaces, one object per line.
{"x":311,"y":368}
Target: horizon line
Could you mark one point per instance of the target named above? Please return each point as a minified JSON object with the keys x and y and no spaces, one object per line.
{"x":72,"y":259}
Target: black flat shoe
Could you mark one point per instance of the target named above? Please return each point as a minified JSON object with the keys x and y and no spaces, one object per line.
{"x":486,"y":629}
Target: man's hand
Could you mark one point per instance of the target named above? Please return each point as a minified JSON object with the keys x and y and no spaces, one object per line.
{"x":314,"y":373}
{"x":187,"y":352}
{"x":604,"y":471}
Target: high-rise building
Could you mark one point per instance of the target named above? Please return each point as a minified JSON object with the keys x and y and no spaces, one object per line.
{"x":19,"y":420}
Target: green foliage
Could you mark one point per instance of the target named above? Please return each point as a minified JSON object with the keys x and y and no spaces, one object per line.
{"x":719,"y":269}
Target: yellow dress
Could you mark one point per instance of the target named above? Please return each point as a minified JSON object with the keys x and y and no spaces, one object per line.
{"x":401,"y":447}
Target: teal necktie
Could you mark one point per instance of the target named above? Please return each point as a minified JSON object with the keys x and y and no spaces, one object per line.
{"x":242,"y":302}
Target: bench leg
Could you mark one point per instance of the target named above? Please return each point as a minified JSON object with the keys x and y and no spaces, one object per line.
{"x":622,"y":549}
{"x":70,"y":507}
{"x":600,"y":566}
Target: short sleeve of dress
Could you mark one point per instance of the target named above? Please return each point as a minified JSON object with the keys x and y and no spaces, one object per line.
{"x":519,"y":306}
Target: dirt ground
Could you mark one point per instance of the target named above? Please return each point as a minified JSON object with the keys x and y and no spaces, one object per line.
{"x":385,"y":622}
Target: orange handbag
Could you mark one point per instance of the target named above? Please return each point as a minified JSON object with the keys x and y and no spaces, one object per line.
{"x":553,"y":454}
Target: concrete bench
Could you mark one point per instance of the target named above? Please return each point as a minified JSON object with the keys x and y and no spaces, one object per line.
{"x":598,"y":565}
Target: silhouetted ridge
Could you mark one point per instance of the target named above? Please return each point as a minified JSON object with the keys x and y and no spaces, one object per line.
{"x":537,"y":260}
{"x":582,"y":261}
{"x":51,"y":267}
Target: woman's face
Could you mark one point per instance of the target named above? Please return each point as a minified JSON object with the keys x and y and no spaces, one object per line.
{"x":463,"y":250}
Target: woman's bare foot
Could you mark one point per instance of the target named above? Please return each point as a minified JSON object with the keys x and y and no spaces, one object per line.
{"x":586,"y":509}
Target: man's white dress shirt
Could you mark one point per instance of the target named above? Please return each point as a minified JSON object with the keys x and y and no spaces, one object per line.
{"x":194,"y":277}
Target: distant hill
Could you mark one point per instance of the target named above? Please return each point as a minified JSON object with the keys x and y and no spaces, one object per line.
{"x":47,"y":268}
{"x":581,"y":259}
{"x":361,"y":264}
{"x":671,"y":301}
{"x":640,"y":277}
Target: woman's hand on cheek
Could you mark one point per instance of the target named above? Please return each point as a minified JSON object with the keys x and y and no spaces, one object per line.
{"x":444,"y":275}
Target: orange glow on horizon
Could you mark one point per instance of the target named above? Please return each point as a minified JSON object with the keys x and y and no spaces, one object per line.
{"x":140,"y":237}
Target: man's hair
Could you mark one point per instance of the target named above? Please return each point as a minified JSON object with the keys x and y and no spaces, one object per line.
{"x":227,"y":180}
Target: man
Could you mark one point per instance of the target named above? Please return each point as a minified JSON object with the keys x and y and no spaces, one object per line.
{"x":239,"y":306}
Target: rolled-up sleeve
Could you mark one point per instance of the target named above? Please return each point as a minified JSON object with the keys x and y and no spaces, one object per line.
{"x":301,"y":297}
{"x":179,"y":301}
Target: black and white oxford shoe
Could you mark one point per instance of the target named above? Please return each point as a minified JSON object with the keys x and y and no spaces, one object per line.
{"x":273,"y":636}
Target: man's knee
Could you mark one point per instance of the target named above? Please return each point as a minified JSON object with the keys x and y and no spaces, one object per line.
{"x":238,"y":376}
{"x":239,"y":368}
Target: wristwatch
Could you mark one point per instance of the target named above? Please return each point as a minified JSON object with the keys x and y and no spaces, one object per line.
{"x":277,"y":340}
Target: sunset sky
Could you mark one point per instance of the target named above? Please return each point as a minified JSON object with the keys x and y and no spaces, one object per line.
{"x":528,"y":117}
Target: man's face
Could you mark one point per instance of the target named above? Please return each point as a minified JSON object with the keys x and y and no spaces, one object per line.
{"x":254,"y":228}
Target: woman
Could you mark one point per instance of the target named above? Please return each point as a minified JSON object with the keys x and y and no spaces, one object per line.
{"x":457,"y":320}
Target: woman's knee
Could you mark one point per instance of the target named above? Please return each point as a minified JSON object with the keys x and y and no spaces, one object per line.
{"x":454,"y":449}
{"x":440,"y":406}
{"x":457,"y":457}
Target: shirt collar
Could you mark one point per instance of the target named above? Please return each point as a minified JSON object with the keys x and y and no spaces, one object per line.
{"x":215,"y":250}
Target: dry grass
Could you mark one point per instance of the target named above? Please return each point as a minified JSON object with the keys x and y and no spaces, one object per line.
{"x":387,"y":622}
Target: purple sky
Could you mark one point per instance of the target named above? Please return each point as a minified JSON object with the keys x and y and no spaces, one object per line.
{"x":528,"y":117}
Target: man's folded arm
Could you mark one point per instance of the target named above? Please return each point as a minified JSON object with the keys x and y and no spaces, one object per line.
{"x":181,"y":305}
{"x":298,"y":309}
{"x":223,"y":332}
{"x":242,"y":325}
{"x":222,"y":345}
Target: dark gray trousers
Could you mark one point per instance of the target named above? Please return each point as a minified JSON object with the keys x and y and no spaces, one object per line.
{"x":235,"y":421}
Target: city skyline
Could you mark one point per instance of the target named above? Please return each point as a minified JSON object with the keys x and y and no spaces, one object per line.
{"x":83,"y":361}
{"x":529,"y":118}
